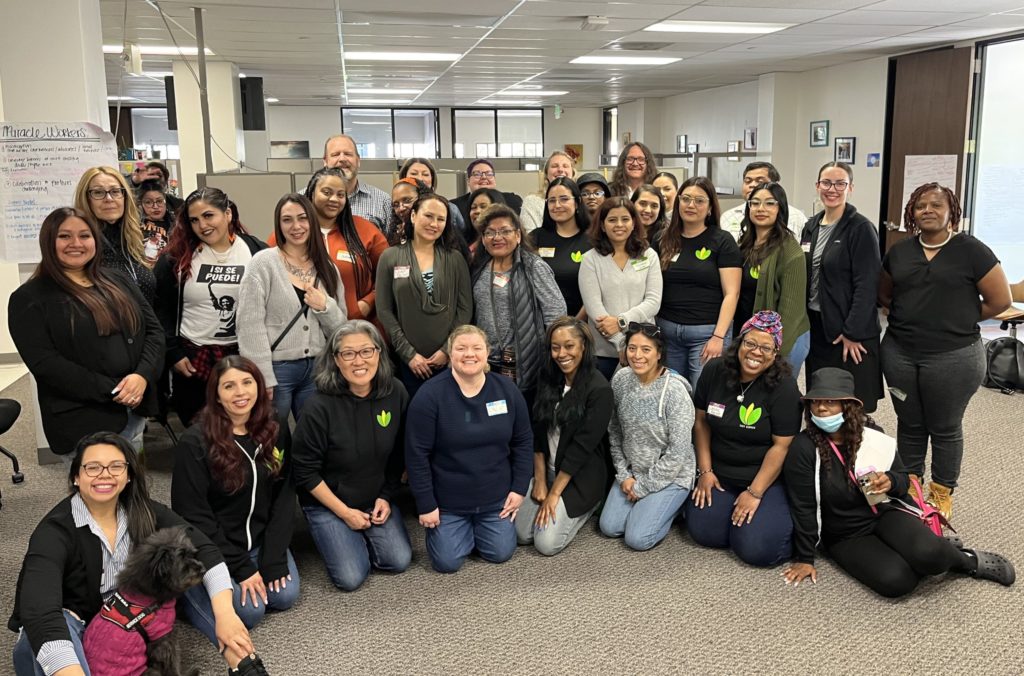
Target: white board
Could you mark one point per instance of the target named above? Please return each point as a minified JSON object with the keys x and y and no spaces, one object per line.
{"x":921,"y":169}
{"x":40,"y":164}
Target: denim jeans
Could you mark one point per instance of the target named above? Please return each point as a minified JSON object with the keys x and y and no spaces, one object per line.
{"x":294,"y":386}
{"x":459,"y":534}
{"x":25,"y":663}
{"x":349,"y":554}
{"x":798,"y":353}
{"x":684,"y":344}
{"x":134,"y":430}
{"x":557,"y":535}
{"x":644,"y":523}
{"x":607,"y":366}
{"x":765,"y":541}
{"x":196,"y":605}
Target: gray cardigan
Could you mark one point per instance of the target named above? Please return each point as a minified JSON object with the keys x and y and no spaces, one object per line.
{"x":633,"y":293}
{"x":268,"y":302}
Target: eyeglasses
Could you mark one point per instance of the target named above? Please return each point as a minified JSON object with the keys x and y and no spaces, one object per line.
{"x":504,"y":233}
{"x":699,"y":201}
{"x":592,"y":195}
{"x":100,"y":193}
{"x":757,"y":204}
{"x":757,"y":347}
{"x":638,"y":161}
{"x":94,"y":469}
{"x":650,"y":330}
{"x":405,"y":202}
{"x":826,"y":184}
{"x":482,"y":174}
{"x":151,"y":203}
{"x":365,"y":353}
{"x":561,"y":199}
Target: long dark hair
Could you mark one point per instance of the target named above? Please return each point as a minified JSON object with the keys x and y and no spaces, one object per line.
{"x":772,"y":376}
{"x":492,"y":194}
{"x":671,"y":241}
{"x":226,"y":463}
{"x":362,"y":264}
{"x":753,"y":254}
{"x":619,"y":184}
{"x":550,"y":408}
{"x":854,"y":422}
{"x":451,"y":239}
{"x":655,"y":229}
{"x":635,"y":245}
{"x":407,"y":165}
{"x":315,"y":248}
{"x":112,"y":308}
{"x":582,"y":217}
{"x":135,"y":496}
{"x":184,"y":241}
{"x":153,"y":185}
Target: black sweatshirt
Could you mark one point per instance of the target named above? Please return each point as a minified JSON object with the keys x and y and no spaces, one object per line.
{"x":353,"y":444}
{"x":844,"y":511}
{"x":235,"y":522}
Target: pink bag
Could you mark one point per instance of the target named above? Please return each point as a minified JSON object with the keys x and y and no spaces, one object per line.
{"x":928,"y":514}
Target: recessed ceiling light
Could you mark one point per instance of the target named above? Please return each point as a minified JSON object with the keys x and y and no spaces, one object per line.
{"x":626,"y":60}
{"x":534,"y":92}
{"x":382,"y":90}
{"x":159,"y":50}
{"x":743,"y":27}
{"x":271,"y":99}
{"x":373,"y":102}
{"x":399,"y":56}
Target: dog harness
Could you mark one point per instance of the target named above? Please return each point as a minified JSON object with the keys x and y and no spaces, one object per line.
{"x":129,"y":616}
{"x":116,"y":639}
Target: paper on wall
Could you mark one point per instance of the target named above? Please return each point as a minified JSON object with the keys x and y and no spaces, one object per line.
{"x":921,"y":169}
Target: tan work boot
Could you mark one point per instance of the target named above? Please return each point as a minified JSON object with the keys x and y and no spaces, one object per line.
{"x":941,"y":498}
{"x":914,"y":492}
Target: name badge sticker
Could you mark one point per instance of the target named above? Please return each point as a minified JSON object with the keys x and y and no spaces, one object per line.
{"x":497,"y":408}
{"x":345,"y":256}
{"x":500,"y":281}
{"x":805,"y":247}
{"x":675,"y":258}
{"x":716,"y":410}
{"x":547,"y":252}
{"x":640,"y":263}
{"x":401,"y":272}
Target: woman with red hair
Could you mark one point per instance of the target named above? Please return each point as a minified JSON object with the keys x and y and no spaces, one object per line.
{"x":229,"y":482}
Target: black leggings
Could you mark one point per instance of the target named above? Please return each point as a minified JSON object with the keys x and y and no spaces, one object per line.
{"x":899,"y":552}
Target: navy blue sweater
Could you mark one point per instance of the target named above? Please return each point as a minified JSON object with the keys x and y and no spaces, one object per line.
{"x":462,"y":454}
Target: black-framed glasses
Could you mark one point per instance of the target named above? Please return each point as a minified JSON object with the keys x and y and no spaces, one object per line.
{"x":154,"y":203}
{"x":94,"y":469}
{"x":754,"y":346}
{"x":826,"y":184}
{"x":482,"y":174}
{"x":365,"y":353}
{"x":639,"y":161}
{"x":652,"y":331}
{"x":99,"y":193}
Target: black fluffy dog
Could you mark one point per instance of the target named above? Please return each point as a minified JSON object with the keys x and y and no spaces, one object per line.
{"x":132,"y":634}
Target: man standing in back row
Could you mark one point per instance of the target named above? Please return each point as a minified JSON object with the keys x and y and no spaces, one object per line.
{"x":755,"y":174}
{"x":371,"y":203}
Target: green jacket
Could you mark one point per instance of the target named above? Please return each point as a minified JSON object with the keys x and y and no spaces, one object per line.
{"x":782,"y":287}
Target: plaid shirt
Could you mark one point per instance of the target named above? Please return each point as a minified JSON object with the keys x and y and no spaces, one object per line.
{"x":373,"y":204}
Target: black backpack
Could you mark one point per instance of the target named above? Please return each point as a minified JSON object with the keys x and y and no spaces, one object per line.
{"x":1004,"y":364}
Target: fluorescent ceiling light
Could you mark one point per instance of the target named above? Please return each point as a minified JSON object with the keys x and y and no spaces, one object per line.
{"x":382,"y":90}
{"x":121,"y":98}
{"x":159,"y":50}
{"x":271,"y":99}
{"x":742,"y":27}
{"x":387,"y":124}
{"x":373,"y":102}
{"x":157,"y":73}
{"x":535,"y":92}
{"x":399,"y":56}
{"x":626,"y":60}
{"x":506,"y":102}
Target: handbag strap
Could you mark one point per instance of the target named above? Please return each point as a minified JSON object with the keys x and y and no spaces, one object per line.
{"x":849,"y":472}
{"x":302,"y":308}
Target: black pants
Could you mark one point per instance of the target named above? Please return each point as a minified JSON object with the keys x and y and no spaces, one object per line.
{"x":188,"y":396}
{"x":867,"y":375}
{"x":900,"y":551}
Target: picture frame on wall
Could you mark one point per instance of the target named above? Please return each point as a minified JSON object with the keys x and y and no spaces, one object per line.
{"x":846,"y":149}
{"x":750,"y":138}
{"x":819,"y":134}
{"x":693,"y":148}
{"x":681,"y":143}
{"x":732,"y":147}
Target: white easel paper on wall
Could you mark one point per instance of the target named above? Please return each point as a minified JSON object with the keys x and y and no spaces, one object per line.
{"x":40,"y":164}
{"x":921,"y":169}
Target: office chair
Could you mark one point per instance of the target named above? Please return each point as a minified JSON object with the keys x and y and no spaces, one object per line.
{"x":1014,"y":315}
{"x":9,"y":412}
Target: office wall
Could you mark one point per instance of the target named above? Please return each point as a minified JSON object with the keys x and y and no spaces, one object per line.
{"x":710,"y":118}
{"x":578,"y":126}
{"x":304,"y":123}
{"x":257,"y":149}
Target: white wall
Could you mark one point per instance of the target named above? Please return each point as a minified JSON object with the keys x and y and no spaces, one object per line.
{"x":304,"y":123}
{"x":577,"y":125}
{"x":257,"y":149}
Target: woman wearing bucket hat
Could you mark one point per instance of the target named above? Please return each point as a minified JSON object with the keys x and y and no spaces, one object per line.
{"x":835,"y":469}
{"x":748,"y":411}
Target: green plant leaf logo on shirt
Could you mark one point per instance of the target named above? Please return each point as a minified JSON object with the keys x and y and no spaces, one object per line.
{"x":702,"y":253}
{"x":384,"y":418}
{"x":576,"y":256}
{"x":278,"y":455}
{"x":755,"y":272}
{"x":749,"y":415}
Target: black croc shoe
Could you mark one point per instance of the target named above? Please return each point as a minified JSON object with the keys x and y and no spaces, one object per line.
{"x":993,"y":567}
{"x":251,"y":665}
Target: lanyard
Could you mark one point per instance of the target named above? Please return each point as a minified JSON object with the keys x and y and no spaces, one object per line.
{"x":849,"y":472}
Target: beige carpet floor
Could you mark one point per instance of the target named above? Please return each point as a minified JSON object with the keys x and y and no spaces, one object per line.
{"x":599,"y":608}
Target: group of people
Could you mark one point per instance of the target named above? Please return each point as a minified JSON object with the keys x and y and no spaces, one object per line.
{"x":626,"y":357}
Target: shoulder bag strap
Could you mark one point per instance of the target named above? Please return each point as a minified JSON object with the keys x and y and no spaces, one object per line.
{"x":302,"y":307}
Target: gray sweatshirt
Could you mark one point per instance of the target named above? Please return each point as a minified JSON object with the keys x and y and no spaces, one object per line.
{"x":651,"y":432}
{"x":633,"y":293}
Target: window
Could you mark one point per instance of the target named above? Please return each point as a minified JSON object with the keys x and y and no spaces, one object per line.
{"x":150,"y":132}
{"x":498,"y":133}
{"x":611,"y":131}
{"x":392,"y":132}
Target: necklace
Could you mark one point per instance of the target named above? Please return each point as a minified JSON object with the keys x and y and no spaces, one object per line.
{"x":304,"y":275}
{"x":742,"y":395}
{"x":935,"y":246}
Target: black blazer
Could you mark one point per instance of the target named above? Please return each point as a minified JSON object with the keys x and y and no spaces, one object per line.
{"x":75,"y":368}
{"x":848,"y":278}
{"x":582,"y":451}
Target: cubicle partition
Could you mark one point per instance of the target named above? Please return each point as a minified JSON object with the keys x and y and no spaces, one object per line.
{"x":256,"y":195}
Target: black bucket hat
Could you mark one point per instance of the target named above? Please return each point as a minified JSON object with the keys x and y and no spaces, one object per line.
{"x":593,"y":177}
{"x":832,"y":383}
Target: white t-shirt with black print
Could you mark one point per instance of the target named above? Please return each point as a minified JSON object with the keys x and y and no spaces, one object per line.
{"x":211,"y":295}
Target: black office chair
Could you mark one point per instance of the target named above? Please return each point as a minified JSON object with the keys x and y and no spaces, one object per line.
{"x":9,"y":412}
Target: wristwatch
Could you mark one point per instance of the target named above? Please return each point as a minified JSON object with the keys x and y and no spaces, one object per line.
{"x":622,"y":323}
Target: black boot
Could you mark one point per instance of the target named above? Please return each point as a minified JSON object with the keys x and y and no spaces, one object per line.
{"x":251,"y":665}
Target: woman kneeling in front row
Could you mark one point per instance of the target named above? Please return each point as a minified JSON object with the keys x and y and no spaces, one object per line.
{"x":883,"y":546}
{"x":650,"y":433}
{"x":570,"y":440}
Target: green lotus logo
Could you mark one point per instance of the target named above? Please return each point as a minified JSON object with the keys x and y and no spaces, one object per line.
{"x":749,"y":415}
{"x":384,"y":418}
{"x":755,"y":272}
{"x":702,"y":254}
{"x":576,"y":256}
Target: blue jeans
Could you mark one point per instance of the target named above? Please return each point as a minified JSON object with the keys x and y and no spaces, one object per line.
{"x":798,"y":354}
{"x":348,"y":554}
{"x":459,"y":534}
{"x":607,"y":366}
{"x":196,"y":605}
{"x":294,"y":386}
{"x":25,"y":660}
{"x":765,"y":541}
{"x":643,"y":523}
{"x":684,"y":344}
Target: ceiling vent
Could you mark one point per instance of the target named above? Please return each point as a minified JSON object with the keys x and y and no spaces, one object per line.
{"x":594,"y":23}
{"x":641,"y":46}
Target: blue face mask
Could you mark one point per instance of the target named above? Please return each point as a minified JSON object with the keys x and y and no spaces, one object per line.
{"x":829,"y":423}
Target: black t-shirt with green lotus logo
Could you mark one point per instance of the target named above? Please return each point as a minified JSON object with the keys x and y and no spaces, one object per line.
{"x":748,"y":290}
{"x":692,"y":293}
{"x":563,"y":255}
{"x":741,"y":433}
